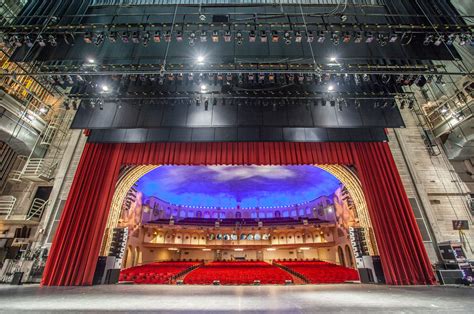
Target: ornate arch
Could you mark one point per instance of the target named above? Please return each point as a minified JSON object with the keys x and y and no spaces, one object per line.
{"x":131,"y":175}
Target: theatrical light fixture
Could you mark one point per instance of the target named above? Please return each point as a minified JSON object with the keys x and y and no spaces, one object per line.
{"x":90,"y":60}
{"x":192,"y":38}
{"x":31,"y":117}
{"x":335,"y":38}
{"x":321,"y":36}
{"x":167,"y":36}
{"x":146,"y":38}
{"x":252,"y":36}
{"x":428,"y":39}
{"x":271,"y":249}
{"x":333,"y":59}
{"x":203,"y":88}
{"x":215,"y":36}
{"x":28,"y":41}
{"x":358,"y":37}
{"x":346,"y":37}
{"x":239,"y":37}
{"x":298,"y":37}
{"x":113,"y":37}
{"x":309,"y":36}
{"x":382,"y":39}
{"x":275,"y":37}
{"x":203,"y":36}
{"x":411,"y":104}
{"x":87,"y":38}
{"x":99,"y":39}
{"x":369,"y":37}
{"x":287,"y":36}
{"x":402,"y":104}
{"x":157,"y":37}
{"x":200,"y":59}
{"x":125,"y":37}
{"x":393,"y":37}
{"x":459,"y":116}
{"x":43,"y":110}
{"x":135,"y":37}
{"x":357,"y":103}
{"x":444,"y":109}
{"x":450,"y":39}
{"x":304,"y":248}
{"x":52,"y":40}
{"x":263,"y":36}
{"x":439,"y":40}
{"x":227,"y":36}
{"x":104,"y":88}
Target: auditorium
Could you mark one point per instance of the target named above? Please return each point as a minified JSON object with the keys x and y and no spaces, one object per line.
{"x":236,"y":156}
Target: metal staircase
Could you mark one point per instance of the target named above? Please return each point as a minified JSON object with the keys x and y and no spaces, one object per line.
{"x":38,"y":169}
{"x":36,"y":209}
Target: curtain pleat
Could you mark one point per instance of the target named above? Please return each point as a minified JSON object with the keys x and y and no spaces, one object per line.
{"x":73,"y":255}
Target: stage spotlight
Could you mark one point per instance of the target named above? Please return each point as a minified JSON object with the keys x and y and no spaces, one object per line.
{"x":43,"y":110}
{"x":239,"y":38}
{"x":113,"y":37}
{"x":298,"y":37}
{"x":459,"y":116}
{"x":192,"y":38}
{"x":287,"y":36}
{"x":100,"y":103}
{"x":104,"y":88}
{"x":157,"y":37}
{"x":87,"y":38}
{"x":444,"y":110}
{"x":66,"y":104}
{"x":203,"y":88}
{"x":263,"y":36}
{"x":28,"y":41}
{"x":125,"y":37}
{"x":393,"y":37}
{"x":339,"y":105}
{"x":357,"y":103}
{"x":369,"y":37}
{"x":271,"y":77}
{"x":261,"y":77}
{"x":382,"y":39}
{"x":330,"y":88}
{"x":402,"y":104}
{"x":99,"y":39}
{"x":146,"y":38}
{"x":203,"y":36}
{"x":439,"y":80}
{"x":135,"y":37}
{"x":275,"y":37}
{"x":309,"y":36}
{"x":321,"y":36}
{"x":15,"y":41}
{"x":167,"y":36}
{"x":206,"y":105}
{"x":215,"y":36}
{"x":335,"y":38}
{"x":333,"y":59}
{"x":358,"y":37}
{"x":52,"y":41}
{"x":439,"y":40}
{"x":411,"y":104}
{"x":450,"y":39}
{"x":200,"y":59}
{"x":75,"y":104}
{"x":428,"y":39}
{"x":90,"y":60}
{"x":365,"y":77}
{"x":252,"y":36}
{"x":346,"y":37}
{"x":227,"y":36}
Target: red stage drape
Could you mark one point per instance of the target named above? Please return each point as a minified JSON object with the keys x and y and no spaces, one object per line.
{"x":77,"y":242}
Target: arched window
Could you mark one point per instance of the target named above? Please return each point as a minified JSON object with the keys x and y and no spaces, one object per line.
{"x":182,"y":213}
{"x":199,"y":214}
{"x":350,"y":262}
{"x":238,"y":215}
{"x":261,"y":215}
{"x":286,"y":213}
{"x":340,"y":253}
{"x":269,"y":215}
{"x":253,"y":215}
{"x":214,"y":215}
{"x":207,"y":215}
{"x":277,"y":214}
{"x":308,"y":211}
{"x":301,"y":212}
{"x":293,"y":213}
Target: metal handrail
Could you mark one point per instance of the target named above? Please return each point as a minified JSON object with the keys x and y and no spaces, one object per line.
{"x":7,"y":203}
{"x":36,"y":209}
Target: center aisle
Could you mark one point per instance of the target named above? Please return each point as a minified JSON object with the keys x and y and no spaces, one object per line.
{"x":237,"y":273}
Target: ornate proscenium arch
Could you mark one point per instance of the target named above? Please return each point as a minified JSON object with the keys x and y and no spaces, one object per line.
{"x":78,"y":240}
{"x":132,"y":174}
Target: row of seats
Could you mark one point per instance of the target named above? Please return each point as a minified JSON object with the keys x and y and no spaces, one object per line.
{"x":321,"y":272}
{"x":155,"y":273}
{"x":237,"y":273}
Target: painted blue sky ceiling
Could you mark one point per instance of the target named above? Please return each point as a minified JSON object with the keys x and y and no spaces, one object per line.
{"x":229,"y":186}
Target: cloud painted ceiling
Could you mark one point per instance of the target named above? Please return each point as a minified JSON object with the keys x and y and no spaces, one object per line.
{"x":229,"y":186}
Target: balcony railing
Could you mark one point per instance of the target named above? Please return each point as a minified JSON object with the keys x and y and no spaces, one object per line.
{"x":7,"y":203}
{"x":36,"y":210}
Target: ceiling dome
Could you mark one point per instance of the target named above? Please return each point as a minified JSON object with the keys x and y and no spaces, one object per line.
{"x":232,"y":186}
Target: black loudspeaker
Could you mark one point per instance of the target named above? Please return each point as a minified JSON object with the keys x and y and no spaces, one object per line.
{"x":99,"y":270}
{"x":17,"y":277}
{"x":112,"y":276}
{"x":450,"y":277}
{"x":378,"y":269}
{"x":366,"y":275}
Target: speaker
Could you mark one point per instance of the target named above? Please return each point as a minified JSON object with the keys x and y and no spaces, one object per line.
{"x":378,"y":270}
{"x":450,"y":277}
{"x":112,"y":276}
{"x":17,"y":277}
{"x":366,"y":275}
{"x":99,"y":270}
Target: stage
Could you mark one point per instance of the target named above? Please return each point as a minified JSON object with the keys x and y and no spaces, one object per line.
{"x":346,"y":298}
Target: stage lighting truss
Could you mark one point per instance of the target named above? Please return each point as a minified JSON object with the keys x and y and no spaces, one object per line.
{"x":289,"y":36}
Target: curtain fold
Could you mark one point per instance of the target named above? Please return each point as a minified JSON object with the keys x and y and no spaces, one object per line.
{"x":73,"y":255}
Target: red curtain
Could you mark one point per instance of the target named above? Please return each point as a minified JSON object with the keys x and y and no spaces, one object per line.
{"x":76,"y":245}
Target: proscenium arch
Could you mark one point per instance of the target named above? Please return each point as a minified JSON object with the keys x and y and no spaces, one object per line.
{"x":133,"y":173}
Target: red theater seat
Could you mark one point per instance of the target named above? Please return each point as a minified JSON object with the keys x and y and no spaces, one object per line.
{"x":155,"y":273}
{"x":321,"y":272}
{"x":237,"y":273}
